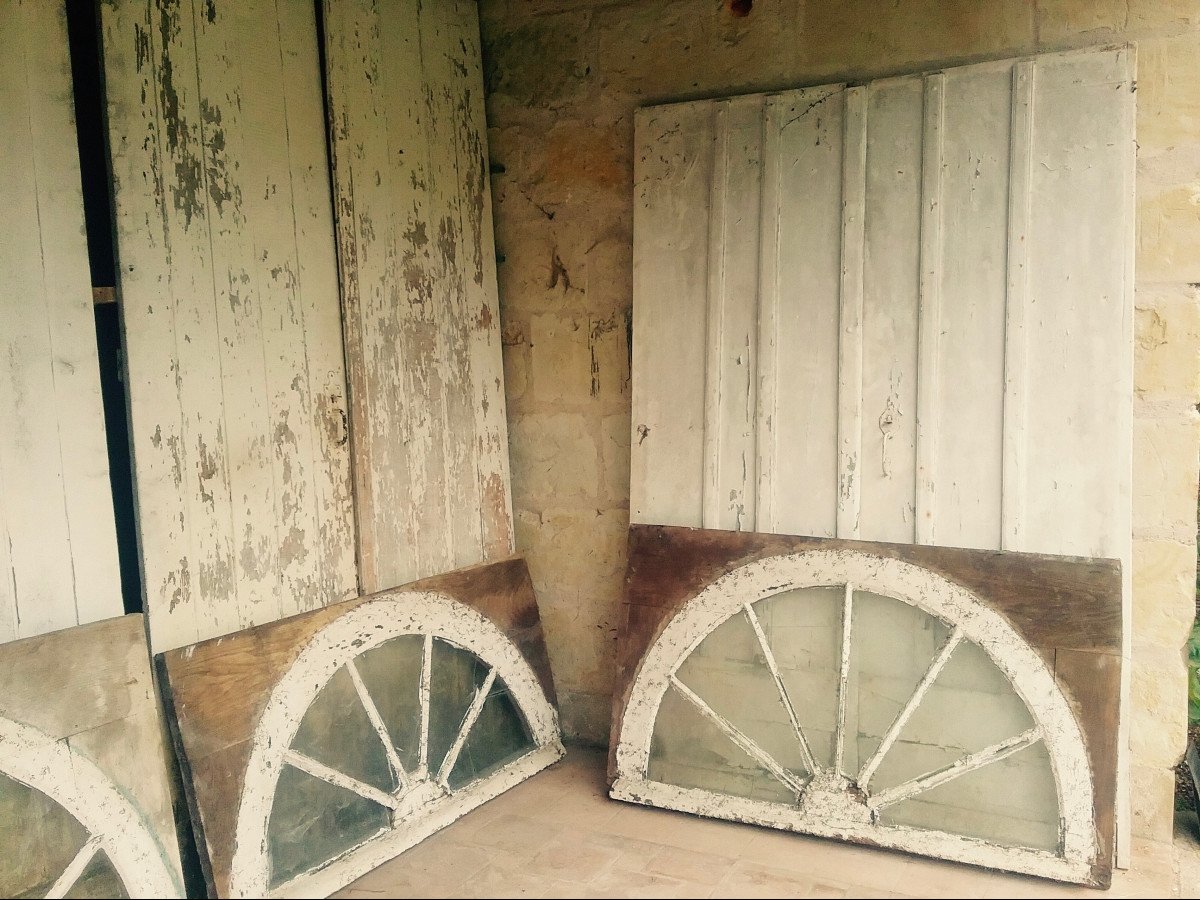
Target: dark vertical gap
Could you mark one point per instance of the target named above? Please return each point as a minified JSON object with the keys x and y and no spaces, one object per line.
{"x":345,"y":321}
{"x":83,"y":31}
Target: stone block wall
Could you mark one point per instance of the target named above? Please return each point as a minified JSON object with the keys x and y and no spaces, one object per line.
{"x":563,"y":80}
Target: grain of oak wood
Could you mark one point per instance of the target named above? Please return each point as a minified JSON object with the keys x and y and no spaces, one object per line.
{"x":1067,"y":609}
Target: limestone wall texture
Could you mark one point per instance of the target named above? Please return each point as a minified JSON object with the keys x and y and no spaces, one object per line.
{"x":563,"y":79}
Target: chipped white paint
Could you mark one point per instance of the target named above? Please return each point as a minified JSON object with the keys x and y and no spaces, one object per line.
{"x":70,"y":779}
{"x":418,"y":274}
{"x":229,"y":290}
{"x":423,"y":804}
{"x":828,"y":806}
{"x":58,"y":550}
{"x":944,"y":312}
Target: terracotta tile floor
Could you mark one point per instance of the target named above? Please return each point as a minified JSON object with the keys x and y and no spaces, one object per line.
{"x":558,"y":835}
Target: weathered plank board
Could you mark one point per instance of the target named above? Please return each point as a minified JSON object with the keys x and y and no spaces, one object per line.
{"x":88,"y":739}
{"x":58,"y":552}
{"x":418,"y":271}
{"x":228,"y":280}
{"x":220,"y":692}
{"x":1066,"y":609}
{"x":931,"y":363}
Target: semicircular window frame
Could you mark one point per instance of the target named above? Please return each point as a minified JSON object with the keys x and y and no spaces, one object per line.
{"x":969,"y":619}
{"x":114,"y":827}
{"x":368,"y":626}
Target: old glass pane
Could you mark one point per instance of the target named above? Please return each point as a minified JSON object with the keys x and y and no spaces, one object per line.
{"x":969,"y":707}
{"x":336,"y":731}
{"x":392,"y":675}
{"x":972,"y":706}
{"x":457,"y":674}
{"x":313,"y":822}
{"x":40,"y":840}
{"x":99,"y":880}
{"x":499,"y":735}
{"x":690,"y":751}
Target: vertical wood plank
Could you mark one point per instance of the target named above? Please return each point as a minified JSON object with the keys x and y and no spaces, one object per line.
{"x":308,"y":374}
{"x":715,"y":318}
{"x":1079,"y":323}
{"x":1016,"y":375}
{"x":672,"y":172}
{"x":767,"y":387}
{"x":230,"y":312}
{"x":58,"y":566}
{"x":730,"y":433}
{"x":891,"y":285}
{"x":850,"y":328}
{"x":929,"y":308}
{"x":972,"y":287}
{"x":418,"y":270}
{"x":801,"y":411}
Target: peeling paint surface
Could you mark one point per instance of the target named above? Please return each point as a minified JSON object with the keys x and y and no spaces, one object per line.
{"x":231,"y":313}
{"x":418,"y":271}
{"x":735,"y":592}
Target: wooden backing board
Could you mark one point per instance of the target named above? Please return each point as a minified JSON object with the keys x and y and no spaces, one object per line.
{"x":89,"y":689}
{"x":418,"y":272}
{"x":229,"y":300}
{"x":216,"y":691}
{"x":1067,"y":609}
{"x":58,"y":549}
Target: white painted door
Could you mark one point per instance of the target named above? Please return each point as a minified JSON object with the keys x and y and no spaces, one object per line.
{"x":58,"y":546}
{"x":900,"y":311}
{"x":418,"y":271}
{"x":228,"y":281}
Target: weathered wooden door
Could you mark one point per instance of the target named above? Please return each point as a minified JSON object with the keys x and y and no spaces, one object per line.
{"x":418,"y":268}
{"x":900,"y":311}
{"x":58,"y":550}
{"x":228,"y":281}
